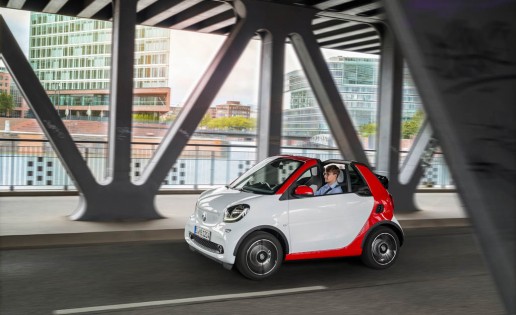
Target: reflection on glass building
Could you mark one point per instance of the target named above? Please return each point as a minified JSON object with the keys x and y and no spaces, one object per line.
{"x":357,"y":81}
{"x":72,"y":59}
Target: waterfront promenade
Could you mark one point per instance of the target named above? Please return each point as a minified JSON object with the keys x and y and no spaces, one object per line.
{"x":35,"y":221}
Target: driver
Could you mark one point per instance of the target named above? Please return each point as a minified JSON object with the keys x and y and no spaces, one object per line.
{"x":330,"y":177}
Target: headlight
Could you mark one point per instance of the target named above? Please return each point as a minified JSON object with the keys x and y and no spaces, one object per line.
{"x":235,"y":213}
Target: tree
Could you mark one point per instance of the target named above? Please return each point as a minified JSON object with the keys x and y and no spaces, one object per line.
{"x":205,"y":120}
{"x":367,"y":129}
{"x":6,"y":104}
{"x":411,"y":127}
{"x":237,"y":122}
{"x":240,"y":123}
{"x":144,"y":117}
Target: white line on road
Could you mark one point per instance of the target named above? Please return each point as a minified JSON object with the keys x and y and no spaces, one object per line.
{"x":200,"y":299}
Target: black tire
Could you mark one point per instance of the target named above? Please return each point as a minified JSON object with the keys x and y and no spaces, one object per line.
{"x":259,"y":256}
{"x":381,"y":248}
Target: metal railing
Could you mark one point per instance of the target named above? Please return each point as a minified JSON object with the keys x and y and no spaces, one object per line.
{"x":33,"y":164}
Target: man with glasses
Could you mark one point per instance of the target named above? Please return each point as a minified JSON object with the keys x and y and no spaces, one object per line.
{"x":330,"y":177}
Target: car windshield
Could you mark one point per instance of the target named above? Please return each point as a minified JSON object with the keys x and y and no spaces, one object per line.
{"x":267,"y":176}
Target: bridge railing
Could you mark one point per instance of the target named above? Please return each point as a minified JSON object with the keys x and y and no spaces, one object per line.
{"x":33,"y":164}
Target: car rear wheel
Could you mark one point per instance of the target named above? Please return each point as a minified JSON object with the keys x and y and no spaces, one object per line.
{"x":259,"y":256}
{"x":381,"y":248}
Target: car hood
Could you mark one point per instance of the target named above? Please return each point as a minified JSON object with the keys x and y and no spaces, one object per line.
{"x":217,"y":200}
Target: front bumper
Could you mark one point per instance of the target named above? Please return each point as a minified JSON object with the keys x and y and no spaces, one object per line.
{"x":221,"y":245}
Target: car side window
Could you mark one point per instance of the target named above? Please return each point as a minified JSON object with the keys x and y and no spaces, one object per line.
{"x":304,"y":178}
{"x":309,"y":178}
{"x":355,"y":180}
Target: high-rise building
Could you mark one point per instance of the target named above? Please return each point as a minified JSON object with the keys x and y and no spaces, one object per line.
{"x":72,"y":59}
{"x":357,"y":81}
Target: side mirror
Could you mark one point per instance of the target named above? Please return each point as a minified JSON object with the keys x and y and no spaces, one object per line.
{"x":303,"y":190}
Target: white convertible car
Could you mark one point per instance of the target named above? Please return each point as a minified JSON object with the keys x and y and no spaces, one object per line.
{"x":270,"y":214}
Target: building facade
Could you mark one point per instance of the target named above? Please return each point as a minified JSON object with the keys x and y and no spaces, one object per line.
{"x":72,"y":59}
{"x":8,"y":86}
{"x":231,"y":109}
{"x":5,"y":81}
{"x":357,"y":81}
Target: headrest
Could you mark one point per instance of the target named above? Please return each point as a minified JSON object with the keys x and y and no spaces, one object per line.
{"x":340,"y":178}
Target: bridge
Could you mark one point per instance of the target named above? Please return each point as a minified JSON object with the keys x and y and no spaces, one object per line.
{"x":461,"y":55}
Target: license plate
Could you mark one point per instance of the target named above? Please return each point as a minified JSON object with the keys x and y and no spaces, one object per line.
{"x":202,"y":233}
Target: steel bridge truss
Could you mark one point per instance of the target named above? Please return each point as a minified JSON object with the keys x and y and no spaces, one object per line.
{"x":467,"y":88}
{"x":118,"y":198}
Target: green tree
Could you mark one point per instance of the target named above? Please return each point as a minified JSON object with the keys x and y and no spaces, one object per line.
{"x":241,"y":123}
{"x":6,"y":104}
{"x":226,"y":123}
{"x":410,"y":128}
{"x":168,"y":119}
{"x":144,"y":117}
{"x":205,"y":120}
{"x":367,"y":130}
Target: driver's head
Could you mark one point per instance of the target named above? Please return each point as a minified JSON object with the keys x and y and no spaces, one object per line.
{"x":331,"y":173}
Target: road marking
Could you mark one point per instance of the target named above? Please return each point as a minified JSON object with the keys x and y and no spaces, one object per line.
{"x":117,"y":307}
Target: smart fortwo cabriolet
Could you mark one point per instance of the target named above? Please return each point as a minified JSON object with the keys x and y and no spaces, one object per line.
{"x":271,"y":214}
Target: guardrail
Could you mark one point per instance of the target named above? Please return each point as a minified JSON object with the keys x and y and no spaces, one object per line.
{"x":33,"y":164}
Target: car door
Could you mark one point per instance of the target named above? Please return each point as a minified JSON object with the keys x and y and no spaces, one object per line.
{"x":327,"y":222}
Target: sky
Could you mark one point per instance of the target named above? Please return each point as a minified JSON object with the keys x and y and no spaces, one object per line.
{"x":190,"y":55}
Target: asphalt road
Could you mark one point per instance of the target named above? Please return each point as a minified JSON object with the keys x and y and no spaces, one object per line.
{"x":439,"y":271}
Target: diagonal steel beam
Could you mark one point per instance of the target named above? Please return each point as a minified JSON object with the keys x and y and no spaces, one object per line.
{"x":15,"y":4}
{"x":45,"y":112}
{"x":198,"y":102}
{"x":118,"y":198}
{"x":459,"y":67}
{"x":327,"y":95}
{"x":271,"y":90}
{"x":215,"y":20}
{"x":412,"y":162}
{"x":53,"y":6}
{"x":92,"y":7}
{"x":389,"y":127}
{"x":195,"y":14}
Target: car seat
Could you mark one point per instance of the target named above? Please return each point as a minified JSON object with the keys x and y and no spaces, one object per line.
{"x":314,"y":182}
{"x":341,"y":179}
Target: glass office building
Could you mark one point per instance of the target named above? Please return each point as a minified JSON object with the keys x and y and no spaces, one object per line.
{"x":72,"y":59}
{"x":357,"y":81}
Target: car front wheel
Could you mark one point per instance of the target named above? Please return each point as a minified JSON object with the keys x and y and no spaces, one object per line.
{"x":259,"y":256}
{"x":381,"y":248}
